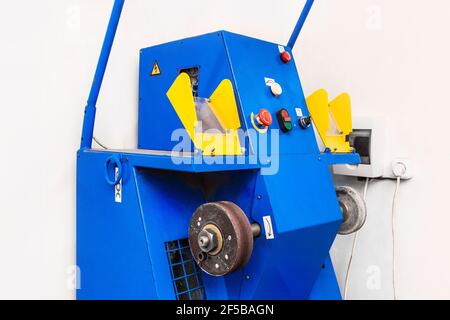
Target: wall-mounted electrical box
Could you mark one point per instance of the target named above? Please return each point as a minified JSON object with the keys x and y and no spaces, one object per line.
{"x":368,"y":139}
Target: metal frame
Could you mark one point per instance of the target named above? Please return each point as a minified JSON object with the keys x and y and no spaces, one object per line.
{"x":90,"y":110}
{"x":300,"y":23}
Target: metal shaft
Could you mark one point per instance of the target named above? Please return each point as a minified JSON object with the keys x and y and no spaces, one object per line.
{"x":256,"y":230}
{"x":90,"y":110}
{"x":300,"y":23}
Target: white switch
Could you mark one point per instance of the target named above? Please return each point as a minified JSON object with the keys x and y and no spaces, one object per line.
{"x":276,"y":89}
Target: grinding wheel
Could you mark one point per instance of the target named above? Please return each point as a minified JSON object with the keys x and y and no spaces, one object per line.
{"x":220,"y":237}
{"x":353,"y":208}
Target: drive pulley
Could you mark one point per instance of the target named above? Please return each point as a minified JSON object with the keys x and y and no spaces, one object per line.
{"x":353,"y":209}
{"x":221,"y":237}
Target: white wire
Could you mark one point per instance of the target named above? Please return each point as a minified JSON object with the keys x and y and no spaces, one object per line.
{"x":355,"y":240}
{"x":99,"y":143}
{"x":394,"y":207}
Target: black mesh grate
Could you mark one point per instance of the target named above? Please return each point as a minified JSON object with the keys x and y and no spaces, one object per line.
{"x":186,"y":275}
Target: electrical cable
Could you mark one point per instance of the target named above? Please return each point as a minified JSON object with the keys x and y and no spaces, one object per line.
{"x":99,"y":143}
{"x":394,"y":207}
{"x":355,"y":240}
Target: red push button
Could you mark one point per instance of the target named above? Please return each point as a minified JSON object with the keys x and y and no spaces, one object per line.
{"x":285,"y":57}
{"x":285,"y":115}
{"x":264,"y":117}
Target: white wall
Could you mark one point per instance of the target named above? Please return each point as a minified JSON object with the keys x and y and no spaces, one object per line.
{"x":390,"y":55}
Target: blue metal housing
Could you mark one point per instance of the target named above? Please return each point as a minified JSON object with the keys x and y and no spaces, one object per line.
{"x":124,"y":248}
{"x":121,"y":247}
{"x":247,"y":62}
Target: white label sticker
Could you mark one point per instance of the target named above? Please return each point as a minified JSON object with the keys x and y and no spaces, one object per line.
{"x":299,"y":112}
{"x":269,"y":81}
{"x":281,"y":48}
{"x":268,"y":227}
{"x":118,"y":188}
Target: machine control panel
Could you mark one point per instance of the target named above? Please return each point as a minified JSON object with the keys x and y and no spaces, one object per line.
{"x":262,"y":86}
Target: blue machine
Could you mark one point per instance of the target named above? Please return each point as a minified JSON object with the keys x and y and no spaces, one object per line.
{"x":135,"y":207}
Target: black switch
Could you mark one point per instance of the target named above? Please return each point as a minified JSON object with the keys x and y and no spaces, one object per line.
{"x":304,"y":122}
{"x":284,"y":120}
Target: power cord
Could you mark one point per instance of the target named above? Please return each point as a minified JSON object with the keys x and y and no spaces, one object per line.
{"x":394,"y":207}
{"x":99,"y":143}
{"x":399,"y":170}
{"x":355,"y":240}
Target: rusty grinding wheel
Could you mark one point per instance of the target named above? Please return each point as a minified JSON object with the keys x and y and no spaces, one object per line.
{"x":220,"y":237}
{"x":353,"y":209}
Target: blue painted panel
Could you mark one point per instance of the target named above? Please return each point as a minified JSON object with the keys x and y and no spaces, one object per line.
{"x":177,"y":163}
{"x":252,"y":61}
{"x":286,"y":267}
{"x":302,"y":194}
{"x":112,"y":251}
{"x":157,"y":118}
{"x":301,"y":201}
{"x":326,"y":286}
{"x":168,"y":201}
{"x":340,"y":158}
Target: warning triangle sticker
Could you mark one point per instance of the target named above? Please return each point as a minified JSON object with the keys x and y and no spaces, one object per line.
{"x":156,"y":71}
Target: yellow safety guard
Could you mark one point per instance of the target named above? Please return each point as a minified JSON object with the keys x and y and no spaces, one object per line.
{"x":333,"y":120}
{"x":223,"y":105}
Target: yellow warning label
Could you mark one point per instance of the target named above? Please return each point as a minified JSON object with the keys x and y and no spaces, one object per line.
{"x":156,"y":71}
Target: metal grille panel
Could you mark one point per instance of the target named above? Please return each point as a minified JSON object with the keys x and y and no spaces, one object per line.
{"x":186,"y":275}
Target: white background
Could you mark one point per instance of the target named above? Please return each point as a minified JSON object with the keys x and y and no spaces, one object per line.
{"x":390,"y":55}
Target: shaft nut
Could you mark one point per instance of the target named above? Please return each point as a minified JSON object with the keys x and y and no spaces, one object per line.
{"x":207,"y":240}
